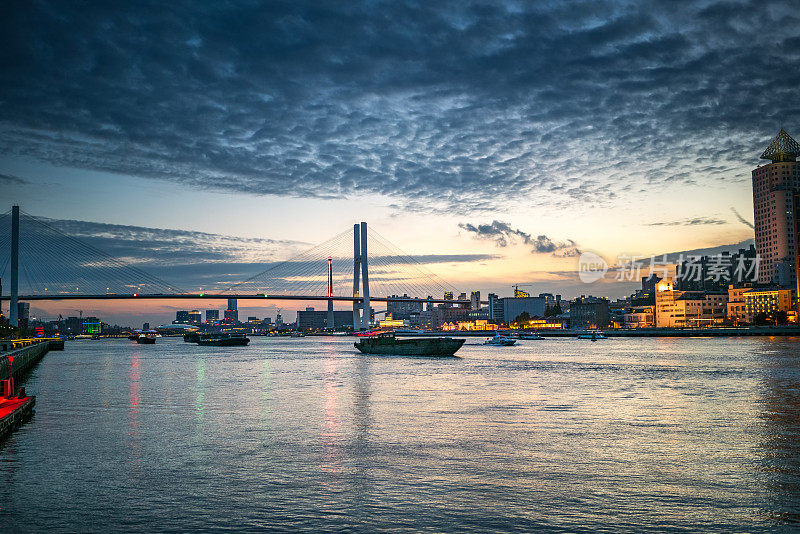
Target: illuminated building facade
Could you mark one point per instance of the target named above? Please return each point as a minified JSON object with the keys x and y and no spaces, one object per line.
{"x":774,"y":186}
{"x":640,"y":317}
{"x":737,"y":307}
{"x":767,"y":301}
{"x":678,"y":309}
{"x":212,"y":316}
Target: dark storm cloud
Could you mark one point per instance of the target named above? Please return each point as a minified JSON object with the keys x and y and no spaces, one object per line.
{"x":503,"y":234}
{"x":499,"y":232}
{"x":450,"y":104}
{"x":697,"y":221}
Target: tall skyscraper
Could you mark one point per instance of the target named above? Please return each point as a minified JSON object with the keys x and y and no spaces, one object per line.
{"x":212,"y":315}
{"x":475,"y":300}
{"x":232,"y":313}
{"x":773,"y":187}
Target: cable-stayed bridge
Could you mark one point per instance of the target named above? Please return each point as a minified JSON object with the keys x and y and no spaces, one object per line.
{"x":40,"y":262}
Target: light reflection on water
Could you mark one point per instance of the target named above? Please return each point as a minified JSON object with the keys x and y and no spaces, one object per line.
{"x":307,"y":434}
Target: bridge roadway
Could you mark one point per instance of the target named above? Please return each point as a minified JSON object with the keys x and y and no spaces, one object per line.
{"x":223,"y":296}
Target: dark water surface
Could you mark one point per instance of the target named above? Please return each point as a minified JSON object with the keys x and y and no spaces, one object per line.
{"x":307,"y":434}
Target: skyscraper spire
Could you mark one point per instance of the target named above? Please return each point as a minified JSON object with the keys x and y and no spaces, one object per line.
{"x":782,"y":148}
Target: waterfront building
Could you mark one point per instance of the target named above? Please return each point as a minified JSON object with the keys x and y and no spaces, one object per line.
{"x":480,"y":325}
{"x":767,"y":301}
{"x":181,"y":317}
{"x":391,"y":322}
{"x":717,"y":272}
{"x":640,"y":316}
{"x":589,"y":312}
{"x":212,"y":316}
{"x":736,"y":307}
{"x":445,"y":314}
{"x":676,"y":308}
{"x":513,"y":307}
{"x":195,"y":317}
{"x":146,"y":326}
{"x":774,"y":186}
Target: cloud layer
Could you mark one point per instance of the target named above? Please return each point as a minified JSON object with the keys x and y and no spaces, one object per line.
{"x":503,"y":234}
{"x":450,"y":103}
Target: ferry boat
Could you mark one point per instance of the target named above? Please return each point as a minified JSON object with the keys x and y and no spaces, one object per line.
{"x":222,"y":340}
{"x":500,"y":341}
{"x":385,"y":343}
{"x":146,"y":339}
{"x":594,"y":336}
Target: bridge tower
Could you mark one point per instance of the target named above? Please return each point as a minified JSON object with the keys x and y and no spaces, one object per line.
{"x":13,"y":313}
{"x":365,"y":315}
{"x":356,"y":277}
{"x":331,"y":322}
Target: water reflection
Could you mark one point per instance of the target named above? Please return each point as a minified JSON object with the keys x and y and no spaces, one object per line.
{"x":200,"y":391}
{"x":134,"y":375}
{"x":780,"y":446}
{"x":331,"y":463}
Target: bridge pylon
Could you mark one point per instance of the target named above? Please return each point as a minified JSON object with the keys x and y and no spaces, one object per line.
{"x":13,"y":313}
{"x":365,"y":315}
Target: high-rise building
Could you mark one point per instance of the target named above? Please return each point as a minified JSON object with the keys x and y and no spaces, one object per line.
{"x":797,"y":249}
{"x":495,"y":308}
{"x":774,"y":185}
{"x":475,"y":300}
{"x":195,"y":317}
{"x":182,"y":317}
{"x":212,"y":316}
{"x":232,"y":313}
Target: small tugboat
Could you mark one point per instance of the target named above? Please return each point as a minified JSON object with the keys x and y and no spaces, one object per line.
{"x":386,"y":343}
{"x":500,"y":341}
{"x":222,"y":340}
{"x":594,"y":336}
{"x":146,"y":339}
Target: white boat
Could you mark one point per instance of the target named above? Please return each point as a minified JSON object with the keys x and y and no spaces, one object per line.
{"x":500,"y":341}
{"x":594,"y":336}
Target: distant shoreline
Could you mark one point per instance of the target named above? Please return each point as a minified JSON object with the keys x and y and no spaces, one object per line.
{"x":783,"y":331}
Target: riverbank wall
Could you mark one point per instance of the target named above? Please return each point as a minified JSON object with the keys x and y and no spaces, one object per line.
{"x":19,"y":355}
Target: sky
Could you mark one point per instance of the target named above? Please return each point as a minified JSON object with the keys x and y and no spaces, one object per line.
{"x":509,"y":137}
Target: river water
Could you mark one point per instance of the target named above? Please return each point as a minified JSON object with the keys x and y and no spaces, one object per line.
{"x":307,"y":434}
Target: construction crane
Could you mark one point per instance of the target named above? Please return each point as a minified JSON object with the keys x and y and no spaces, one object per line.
{"x":519,"y":293}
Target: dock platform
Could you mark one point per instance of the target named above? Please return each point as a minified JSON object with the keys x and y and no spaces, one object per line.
{"x":13,"y":412}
